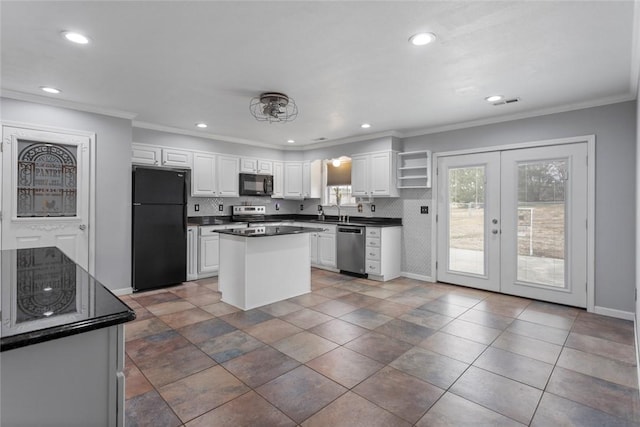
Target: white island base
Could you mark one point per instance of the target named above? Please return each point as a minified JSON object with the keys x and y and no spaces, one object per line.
{"x":260,"y":270}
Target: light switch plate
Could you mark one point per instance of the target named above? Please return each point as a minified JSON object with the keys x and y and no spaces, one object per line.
{"x":220,"y":208}
{"x":424,"y":209}
{"x":196,"y":207}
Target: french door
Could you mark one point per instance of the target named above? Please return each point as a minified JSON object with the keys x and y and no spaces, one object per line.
{"x":515,"y":222}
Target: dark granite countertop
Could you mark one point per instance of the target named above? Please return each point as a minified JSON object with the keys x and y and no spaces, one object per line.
{"x":46,"y":296}
{"x":267,"y":231}
{"x":329,"y":219}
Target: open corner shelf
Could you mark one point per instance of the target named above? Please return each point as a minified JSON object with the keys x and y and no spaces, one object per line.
{"x":414,"y":169}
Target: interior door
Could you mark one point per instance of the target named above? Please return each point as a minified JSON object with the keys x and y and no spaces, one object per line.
{"x":468,"y":216}
{"x":544,"y":223}
{"x":45,"y":191}
{"x":515,"y":222}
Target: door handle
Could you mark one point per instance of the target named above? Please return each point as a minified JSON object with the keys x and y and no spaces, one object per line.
{"x":494,"y":231}
{"x":82,"y":227}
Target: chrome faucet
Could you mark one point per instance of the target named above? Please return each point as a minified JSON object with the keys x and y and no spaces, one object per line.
{"x":339,"y":216}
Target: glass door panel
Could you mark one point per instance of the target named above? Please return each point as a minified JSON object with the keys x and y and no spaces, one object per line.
{"x":544,"y":214}
{"x":469,"y":245}
{"x":541,"y":214}
{"x":466,"y":220}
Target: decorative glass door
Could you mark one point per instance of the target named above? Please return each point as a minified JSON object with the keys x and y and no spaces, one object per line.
{"x":45,"y":191}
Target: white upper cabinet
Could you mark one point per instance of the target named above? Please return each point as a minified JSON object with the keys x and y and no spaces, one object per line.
{"x":203,"y":175}
{"x":360,"y":175}
{"x":374,"y":174}
{"x":293,"y":182}
{"x":214,"y":176}
{"x":302,"y":180}
{"x":176,"y":158}
{"x":259,"y":166}
{"x":278,"y":180}
{"x":228,"y":180}
{"x":142,"y":154}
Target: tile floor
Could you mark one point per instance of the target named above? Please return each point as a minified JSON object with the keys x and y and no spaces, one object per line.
{"x":356,"y":352}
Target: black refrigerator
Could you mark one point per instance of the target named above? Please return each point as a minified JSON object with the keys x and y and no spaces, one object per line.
{"x":159,"y":254}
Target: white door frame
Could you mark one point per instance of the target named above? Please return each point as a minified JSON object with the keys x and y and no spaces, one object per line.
{"x":591,"y":206}
{"x":92,"y":178}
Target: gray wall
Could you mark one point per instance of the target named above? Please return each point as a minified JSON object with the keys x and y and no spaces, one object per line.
{"x":113,"y":180}
{"x":615,"y":221}
{"x":638,"y":217}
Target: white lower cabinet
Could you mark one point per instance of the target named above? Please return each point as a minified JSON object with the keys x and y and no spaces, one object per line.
{"x":322,"y":245}
{"x":209,"y":250}
{"x":192,"y":253}
{"x":383,"y":252}
{"x":209,"y":255}
{"x":205,"y":255}
{"x":327,"y":248}
{"x":313,"y":248}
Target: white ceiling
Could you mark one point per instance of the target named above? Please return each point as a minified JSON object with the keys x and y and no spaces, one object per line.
{"x":174,"y":63}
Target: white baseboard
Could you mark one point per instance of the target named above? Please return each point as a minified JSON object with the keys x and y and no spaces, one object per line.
{"x":122,"y":291}
{"x":626,"y":315}
{"x":417,"y":276}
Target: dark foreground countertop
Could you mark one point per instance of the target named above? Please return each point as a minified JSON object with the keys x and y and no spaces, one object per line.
{"x":46,"y":296}
{"x":267,"y":231}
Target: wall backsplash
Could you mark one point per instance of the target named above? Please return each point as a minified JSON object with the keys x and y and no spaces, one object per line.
{"x":209,"y":205}
{"x":416,"y":230}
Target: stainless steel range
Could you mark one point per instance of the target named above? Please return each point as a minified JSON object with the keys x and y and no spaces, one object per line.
{"x":255,"y":216}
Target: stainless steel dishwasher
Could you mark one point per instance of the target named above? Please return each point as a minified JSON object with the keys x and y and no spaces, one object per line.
{"x":350,"y":242}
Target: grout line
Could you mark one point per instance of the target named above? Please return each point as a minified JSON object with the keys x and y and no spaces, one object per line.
{"x":362,"y":292}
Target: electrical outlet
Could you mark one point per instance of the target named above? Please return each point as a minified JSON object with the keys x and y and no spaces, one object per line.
{"x":373,"y":208}
{"x":220,"y":208}
{"x":196,"y":207}
{"x":319,"y":208}
{"x":301,"y":207}
{"x":424,"y":209}
{"x":277,"y":206}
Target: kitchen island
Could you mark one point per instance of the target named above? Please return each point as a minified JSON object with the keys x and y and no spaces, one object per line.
{"x":62,"y":343}
{"x":263,"y":265}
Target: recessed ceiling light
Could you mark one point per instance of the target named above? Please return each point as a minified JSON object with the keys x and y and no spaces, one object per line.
{"x":493,"y":98}
{"x":422,"y":39}
{"x":201,"y":125}
{"x":290,"y":141}
{"x":365,"y":126}
{"x":50,"y":89}
{"x":75,"y":37}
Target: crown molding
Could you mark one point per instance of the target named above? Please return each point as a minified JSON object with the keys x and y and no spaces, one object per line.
{"x":38,"y":99}
{"x":525,"y":115}
{"x":350,"y":139}
{"x":200,"y":134}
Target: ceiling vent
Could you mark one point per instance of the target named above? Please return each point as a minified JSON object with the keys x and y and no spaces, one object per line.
{"x":507,"y":101}
{"x":322,"y":138}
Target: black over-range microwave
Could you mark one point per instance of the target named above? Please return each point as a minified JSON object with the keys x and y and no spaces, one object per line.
{"x":256,"y":185}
